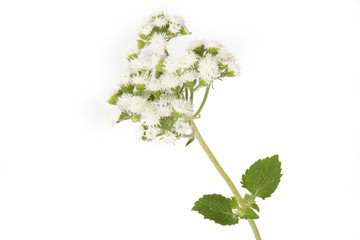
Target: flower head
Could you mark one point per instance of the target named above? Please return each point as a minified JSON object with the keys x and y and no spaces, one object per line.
{"x":157,"y":88}
{"x":169,"y":137}
{"x":183,"y":107}
{"x":158,"y":43}
{"x":208,"y":68}
{"x":174,"y":28}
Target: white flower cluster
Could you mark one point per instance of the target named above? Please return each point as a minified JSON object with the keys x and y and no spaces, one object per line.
{"x":156,"y":89}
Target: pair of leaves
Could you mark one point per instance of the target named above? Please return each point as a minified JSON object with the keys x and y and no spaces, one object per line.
{"x":261,"y":179}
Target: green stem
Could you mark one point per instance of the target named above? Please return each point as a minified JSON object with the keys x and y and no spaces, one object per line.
{"x":225,"y":177}
{"x":202,"y":103}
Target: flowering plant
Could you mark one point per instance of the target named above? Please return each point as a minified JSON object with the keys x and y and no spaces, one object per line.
{"x":157,"y":91}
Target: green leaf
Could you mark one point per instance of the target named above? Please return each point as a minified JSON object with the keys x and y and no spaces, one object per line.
{"x":234,"y":203}
{"x":140,"y":44}
{"x":191,"y":139}
{"x":113,"y":99}
{"x":132,"y":56}
{"x":200,"y":50}
{"x":159,"y":65}
{"x":248,"y":213}
{"x":213,"y":51}
{"x":263,"y":177}
{"x":184,"y":31}
{"x":217,"y":208}
{"x":123,"y":116}
{"x":255,"y":206}
{"x":127,"y":88}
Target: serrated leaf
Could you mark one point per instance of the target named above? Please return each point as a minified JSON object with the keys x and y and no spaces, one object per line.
{"x":263,"y":177}
{"x":217,"y":208}
{"x":248,"y":213}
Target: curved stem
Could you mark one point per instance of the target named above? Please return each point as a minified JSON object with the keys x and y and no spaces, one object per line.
{"x":225,"y":177}
{"x":202,"y":103}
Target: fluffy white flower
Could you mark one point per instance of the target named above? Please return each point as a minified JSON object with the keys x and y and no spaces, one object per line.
{"x":154,"y":60}
{"x":172,"y":64}
{"x":188,"y":76}
{"x":157,"y":13}
{"x":151,"y":133}
{"x":158,"y":43}
{"x":164,"y":108}
{"x":224,"y":56}
{"x":182,"y":106}
{"x":146,"y":29}
{"x":137,"y":104}
{"x":233,"y":66}
{"x":212,"y":44}
{"x":150,"y":115}
{"x":139,"y":79}
{"x":176,"y":20}
{"x":169,"y":137}
{"x":169,"y":81}
{"x":188,"y":60}
{"x":154,"y":85}
{"x":159,"y":22}
{"x":181,"y":126}
{"x":138,"y":64}
{"x":113,"y":114}
{"x":124,"y":102}
{"x":208,"y":68}
{"x":194,"y":44}
{"x":125,"y":77}
{"x":174,"y":28}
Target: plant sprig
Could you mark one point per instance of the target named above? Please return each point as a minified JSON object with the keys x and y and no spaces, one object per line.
{"x":157,"y":91}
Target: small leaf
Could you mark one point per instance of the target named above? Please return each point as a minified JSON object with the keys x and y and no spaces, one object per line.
{"x":123,"y":116}
{"x":191,"y":139}
{"x":213,"y":51}
{"x":248,"y":213}
{"x":140,"y":44}
{"x":200,"y":50}
{"x":127,"y":88}
{"x":113,"y":99}
{"x":263,"y":177}
{"x":160,"y":65}
{"x":184,"y":31}
{"x":248,"y":198}
{"x":255,"y":206}
{"x":234,"y":203}
{"x":132,"y":56}
{"x":217,"y":208}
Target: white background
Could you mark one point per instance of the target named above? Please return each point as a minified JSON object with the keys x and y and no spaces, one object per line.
{"x":65,"y":174}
